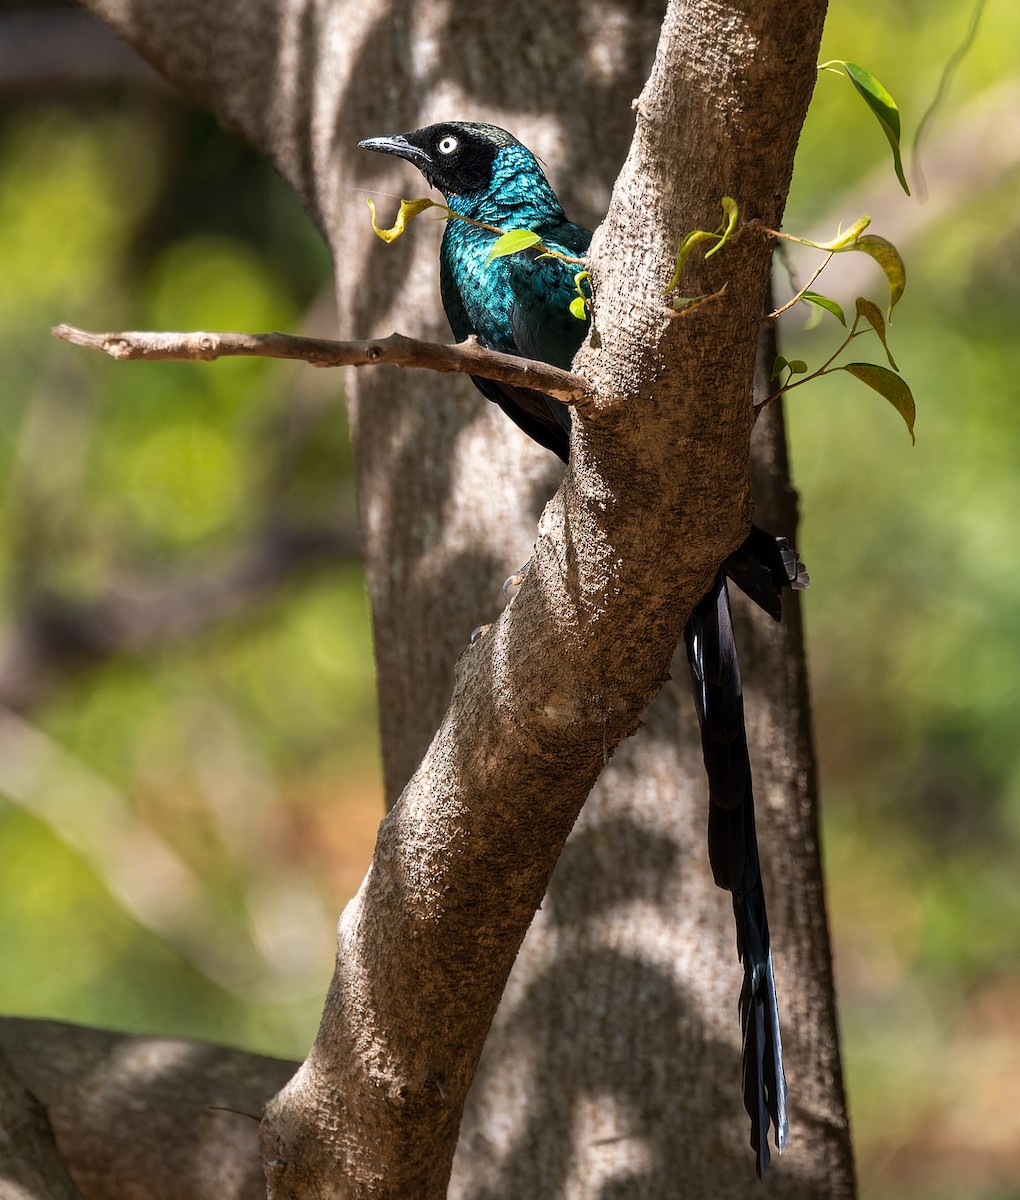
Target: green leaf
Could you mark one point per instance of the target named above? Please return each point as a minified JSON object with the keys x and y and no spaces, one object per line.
{"x":511,"y":242}
{"x":873,"y":315}
{"x":814,"y":319}
{"x":796,"y":366}
{"x":882,"y":105}
{"x":888,"y":258}
{"x":888,"y":384}
{"x":409,"y":209}
{"x":778,"y":367}
{"x":577,"y":308}
{"x":875,"y":96}
{"x":831,"y":306}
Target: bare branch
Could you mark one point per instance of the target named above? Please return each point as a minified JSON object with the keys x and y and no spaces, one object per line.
{"x":465,"y":358}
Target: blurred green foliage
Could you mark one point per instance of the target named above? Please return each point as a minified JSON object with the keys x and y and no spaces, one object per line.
{"x":254,"y":731}
{"x":260,"y":730}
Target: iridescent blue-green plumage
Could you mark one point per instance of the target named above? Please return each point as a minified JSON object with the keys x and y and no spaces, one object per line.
{"x":520,"y":304}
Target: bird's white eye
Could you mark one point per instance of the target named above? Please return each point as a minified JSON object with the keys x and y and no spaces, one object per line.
{"x":447,"y":145}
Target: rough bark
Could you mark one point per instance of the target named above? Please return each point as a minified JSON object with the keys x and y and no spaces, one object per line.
{"x":613,"y":1065}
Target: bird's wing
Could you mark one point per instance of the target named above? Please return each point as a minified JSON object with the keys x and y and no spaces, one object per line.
{"x":543,"y":326}
{"x":538,"y":325}
{"x":533,"y":412}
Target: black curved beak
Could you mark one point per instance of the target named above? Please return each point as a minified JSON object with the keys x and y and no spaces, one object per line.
{"x":398,"y":145}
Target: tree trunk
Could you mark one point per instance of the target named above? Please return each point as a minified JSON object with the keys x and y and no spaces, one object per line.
{"x":612,"y":1066}
{"x":613,"y":1063}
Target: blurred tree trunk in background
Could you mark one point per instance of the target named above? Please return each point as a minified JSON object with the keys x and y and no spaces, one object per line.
{"x":613,"y":1064}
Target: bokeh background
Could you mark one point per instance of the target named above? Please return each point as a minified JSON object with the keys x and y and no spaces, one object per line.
{"x":189,"y":777}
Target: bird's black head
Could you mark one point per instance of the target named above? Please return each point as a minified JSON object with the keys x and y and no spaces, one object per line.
{"x":456,"y":157}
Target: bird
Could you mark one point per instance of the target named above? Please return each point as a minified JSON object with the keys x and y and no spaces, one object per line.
{"x":519,"y":303}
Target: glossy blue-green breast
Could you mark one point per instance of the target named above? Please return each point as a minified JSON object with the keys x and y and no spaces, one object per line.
{"x":519,"y":303}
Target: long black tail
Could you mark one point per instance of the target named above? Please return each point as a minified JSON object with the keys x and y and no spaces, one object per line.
{"x":761,"y":566}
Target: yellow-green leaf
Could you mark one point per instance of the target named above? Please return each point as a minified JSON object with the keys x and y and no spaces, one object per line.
{"x":511,"y":242}
{"x":888,"y":384}
{"x":847,"y":240}
{"x":888,"y":258}
{"x":729,"y":223}
{"x":873,"y":315}
{"x":695,"y":237}
{"x":579,"y":304}
{"x":409,"y":209}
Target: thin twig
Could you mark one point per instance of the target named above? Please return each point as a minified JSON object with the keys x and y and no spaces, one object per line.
{"x":468,"y":358}
{"x":800,"y":295}
{"x":792,"y":383}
